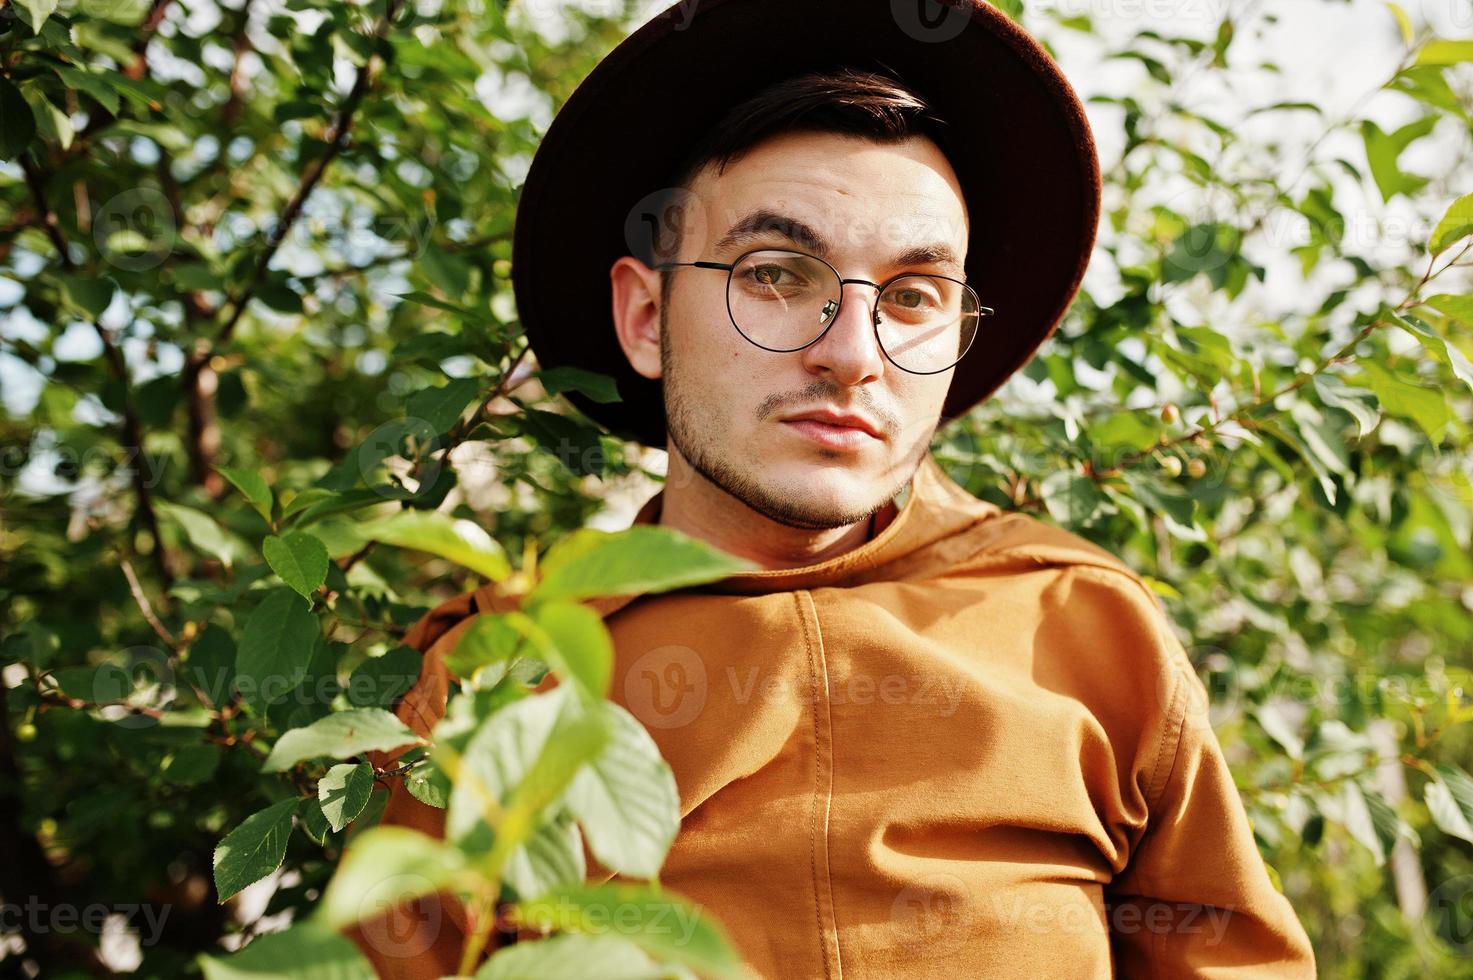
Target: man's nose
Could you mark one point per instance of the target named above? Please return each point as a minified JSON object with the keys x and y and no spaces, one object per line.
{"x":849,"y":349}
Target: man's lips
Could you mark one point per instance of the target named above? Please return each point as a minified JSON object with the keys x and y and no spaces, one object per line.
{"x":833,"y":436}
{"x":837,"y":420}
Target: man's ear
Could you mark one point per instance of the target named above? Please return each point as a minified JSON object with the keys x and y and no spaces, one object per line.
{"x":636,"y":308}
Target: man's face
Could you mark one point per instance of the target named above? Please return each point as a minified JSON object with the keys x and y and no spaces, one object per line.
{"x":860,"y":205}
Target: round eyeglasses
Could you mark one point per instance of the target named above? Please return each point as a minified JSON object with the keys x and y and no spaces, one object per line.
{"x":783,"y":300}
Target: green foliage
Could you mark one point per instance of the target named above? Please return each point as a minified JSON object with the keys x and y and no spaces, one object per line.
{"x":308,"y":951}
{"x":340,"y":735}
{"x":642,"y":559}
{"x":282,"y":406}
{"x":253,"y":850}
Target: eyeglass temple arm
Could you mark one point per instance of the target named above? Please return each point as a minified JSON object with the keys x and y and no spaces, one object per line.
{"x":723,"y":266}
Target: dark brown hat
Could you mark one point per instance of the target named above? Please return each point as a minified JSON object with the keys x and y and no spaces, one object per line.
{"x":1017,"y":138}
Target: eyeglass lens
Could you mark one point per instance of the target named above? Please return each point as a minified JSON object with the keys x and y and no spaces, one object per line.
{"x":783,"y":300}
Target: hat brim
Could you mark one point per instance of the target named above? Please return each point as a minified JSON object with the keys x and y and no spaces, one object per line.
{"x":1019,"y":141}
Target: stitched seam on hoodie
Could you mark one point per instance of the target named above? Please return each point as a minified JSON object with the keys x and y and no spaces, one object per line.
{"x":1148,"y":885}
{"x":816,"y":661}
{"x":1165,"y":763}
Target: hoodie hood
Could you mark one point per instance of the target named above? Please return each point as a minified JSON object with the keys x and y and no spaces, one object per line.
{"x":938,"y":525}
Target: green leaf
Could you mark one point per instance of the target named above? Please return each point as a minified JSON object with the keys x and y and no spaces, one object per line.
{"x":1455,"y":224}
{"x":312,"y":698}
{"x":88,"y":295}
{"x":1403,"y":23}
{"x":442,"y":407}
{"x":425,"y":299}
{"x":91,"y":84}
{"x":642,"y":559}
{"x":496,"y":757}
{"x":309,"y":497}
{"x":1130,"y":430}
{"x":280,"y":296}
{"x":343,"y":792}
{"x":314,"y":821}
{"x":1383,"y":149}
{"x":378,"y":681}
{"x":370,"y":817}
{"x":252,"y":486}
{"x":383,"y":867}
{"x":191,"y":765}
{"x":665,"y":926}
{"x":460,"y":541}
{"x":1390,"y":827}
{"x":1207,"y":247}
{"x":210,"y":665}
{"x":1460,"y":308}
{"x":1177,"y":510}
{"x":17,"y":121}
{"x":1440,"y":52}
{"x":551,"y":858}
{"x":348,"y":501}
{"x":576,"y":445}
{"x":1072,"y":498}
{"x":340,"y":735}
{"x":299,"y":559}
{"x":428,"y":783}
{"x":627,"y":799}
{"x":576,"y":738}
{"x":253,"y":850}
{"x":1356,"y":816}
{"x":584,"y":652}
{"x":35,"y":12}
{"x":1438,"y":346}
{"x":571,"y":956}
{"x":1271,"y":718}
{"x":52,"y":123}
{"x":306,"y":951}
{"x":275,"y":647}
{"x":598,"y":387}
{"x":491,"y":639}
{"x":204,"y":533}
{"x":1358,"y":403}
{"x":433,"y":347}
{"x":1427,"y":407}
{"x":1305,"y":453}
{"x":445,"y":269}
{"x":1449,"y":798}
{"x":1327,"y":448}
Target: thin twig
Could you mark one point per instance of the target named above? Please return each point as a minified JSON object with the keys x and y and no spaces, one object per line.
{"x":456,"y":437}
{"x":144,"y":605}
{"x":335,"y":145}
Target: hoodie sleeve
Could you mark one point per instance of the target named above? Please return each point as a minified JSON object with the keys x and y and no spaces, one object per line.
{"x":1195,"y":898}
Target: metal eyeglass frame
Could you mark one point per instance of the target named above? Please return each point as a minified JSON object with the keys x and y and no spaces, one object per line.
{"x":730,"y":267}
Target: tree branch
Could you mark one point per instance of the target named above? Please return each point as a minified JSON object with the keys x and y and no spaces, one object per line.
{"x":196,"y":364}
{"x":132,"y":427}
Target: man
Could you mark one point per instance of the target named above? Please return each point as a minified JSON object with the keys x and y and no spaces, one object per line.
{"x":927,"y":737}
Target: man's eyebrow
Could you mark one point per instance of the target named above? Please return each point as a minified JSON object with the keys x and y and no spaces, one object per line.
{"x":763,"y":223}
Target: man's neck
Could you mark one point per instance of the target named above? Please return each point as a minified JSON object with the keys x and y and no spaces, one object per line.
{"x":705,"y":511}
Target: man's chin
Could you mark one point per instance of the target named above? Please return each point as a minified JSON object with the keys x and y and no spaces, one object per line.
{"x":816,"y":498}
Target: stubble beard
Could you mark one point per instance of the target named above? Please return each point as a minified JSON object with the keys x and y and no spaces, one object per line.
{"x":684,"y":418}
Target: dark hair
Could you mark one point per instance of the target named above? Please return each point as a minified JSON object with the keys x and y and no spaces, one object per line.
{"x":842,"y":100}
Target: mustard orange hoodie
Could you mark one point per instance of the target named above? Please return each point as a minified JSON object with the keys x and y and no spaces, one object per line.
{"x":970,"y":747}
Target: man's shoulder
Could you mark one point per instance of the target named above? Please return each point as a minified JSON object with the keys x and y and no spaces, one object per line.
{"x":1015,"y":538}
